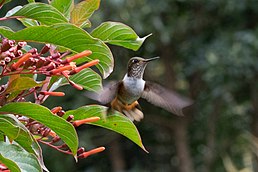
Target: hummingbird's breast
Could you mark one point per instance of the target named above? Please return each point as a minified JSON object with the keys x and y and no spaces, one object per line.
{"x":131,"y":89}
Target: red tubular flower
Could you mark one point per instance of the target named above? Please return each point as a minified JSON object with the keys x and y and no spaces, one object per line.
{"x":24,"y":58}
{"x":91,"y":152}
{"x":59,"y":94}
{"x":77,"y":56}
{"x":63,"y":68}
{"x":86,"y":65}
{"x":87,"y":120}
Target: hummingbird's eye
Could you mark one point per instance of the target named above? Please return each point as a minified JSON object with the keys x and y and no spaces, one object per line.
{"x":135,"y":61}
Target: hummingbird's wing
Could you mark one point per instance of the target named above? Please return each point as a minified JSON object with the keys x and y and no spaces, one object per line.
{"x":164,"y":98}
{"x":107,"y":94}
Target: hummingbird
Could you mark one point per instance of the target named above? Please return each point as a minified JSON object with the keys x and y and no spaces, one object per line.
{"x":123,"y":95}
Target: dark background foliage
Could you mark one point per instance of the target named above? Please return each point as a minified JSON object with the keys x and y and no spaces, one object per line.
{"x":208,"y":52}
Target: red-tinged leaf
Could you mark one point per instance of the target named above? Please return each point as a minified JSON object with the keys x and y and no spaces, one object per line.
{"x":82,"y":12}
{"x":21,"y":83}
{"x":64,"y":6}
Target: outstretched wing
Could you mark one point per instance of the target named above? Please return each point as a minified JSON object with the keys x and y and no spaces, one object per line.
{"x":164,"y":98}
{"x":106,"y":95}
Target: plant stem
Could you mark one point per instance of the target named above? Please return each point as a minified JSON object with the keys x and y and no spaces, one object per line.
{"x":56,"y":148}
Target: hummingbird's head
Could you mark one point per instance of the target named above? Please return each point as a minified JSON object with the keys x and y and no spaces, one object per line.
{"x":136,"y":66}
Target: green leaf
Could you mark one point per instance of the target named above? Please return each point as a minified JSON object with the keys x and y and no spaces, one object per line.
{"x":44,"y":13}
{"x":2,"y":137}
{"x":61,"y":127}
{"x":15,"y":130}
{"x":21,"y":83}
{"x":31,"y":1}
{"x":2,"y":2}
{"x":83,"y":10}
{"x":118,"y":34}
{"x":12,"y":166}
{"x":10,"y":130}
{"x":13,"y":11}
{"x":67,"y":36}
{"x":116,"y":122}
{"x":14,"y":156}
{"x":28,"y":22}
{"x":64,"y":6}
{"x":88,"y":79}
{"x":86,"y":24}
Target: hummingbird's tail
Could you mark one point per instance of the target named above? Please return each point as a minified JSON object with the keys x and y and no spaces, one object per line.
{"x":134,"y":114}
{"x":132,"y":111}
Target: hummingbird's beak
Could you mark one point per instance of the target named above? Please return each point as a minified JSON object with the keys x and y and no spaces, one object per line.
{"x":151,"y":59}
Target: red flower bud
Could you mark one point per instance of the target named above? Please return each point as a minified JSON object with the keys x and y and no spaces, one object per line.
{"x":69,"y":118}
{"x":46,"y":132}
{"x":7,"y":59}
{"x":45,"y":49}
{"x":60,"y":113}
{"x":33,"y":51}
{"x":51,"y":66}
{"x":18,"y":53}
{"x":29,"y":63}
{"x":5,"y":45}
{"x":41,"y":61}
{"x":80,"y":150}
{"x":21,"y":44}
{"x":56,"y":56}
{"x":56,"y":139}
{"x":2,"y":62}
{"x":86,"y":65}
{"x":56,"y":109}
{"x":91,"y":152}
{"x":11,"y":43}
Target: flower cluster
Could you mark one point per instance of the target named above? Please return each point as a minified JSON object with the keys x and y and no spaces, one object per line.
{"x":14,"y":60}
{"x":49,"y":137}
{"x":48,"y":61}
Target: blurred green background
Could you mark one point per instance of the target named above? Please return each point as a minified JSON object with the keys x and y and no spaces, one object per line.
{"x":208,"y":51}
